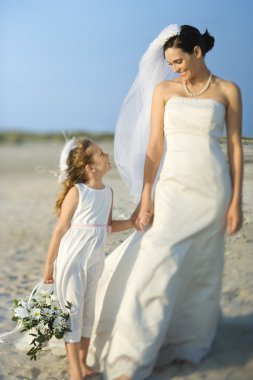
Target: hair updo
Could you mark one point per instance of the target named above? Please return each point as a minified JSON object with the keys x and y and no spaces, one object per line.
{"x":188,"y":38}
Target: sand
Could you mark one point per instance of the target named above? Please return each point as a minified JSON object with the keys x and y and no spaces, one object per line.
{"x":27,"y":193}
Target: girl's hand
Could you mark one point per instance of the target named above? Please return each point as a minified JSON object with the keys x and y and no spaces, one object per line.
{"x":134,"y":215}
{"x":233,"y":219}
{"x":48,"y":275}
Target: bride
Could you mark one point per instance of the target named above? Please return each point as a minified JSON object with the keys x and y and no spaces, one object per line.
{"x":158,"y":299}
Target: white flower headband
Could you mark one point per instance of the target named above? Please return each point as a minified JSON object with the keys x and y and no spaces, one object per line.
{"x":63,"y":166}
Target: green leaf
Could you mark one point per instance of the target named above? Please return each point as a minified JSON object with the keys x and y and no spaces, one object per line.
{"x":16,"y":302}
{"x":69,"y":305}
{"x":41,"y":339}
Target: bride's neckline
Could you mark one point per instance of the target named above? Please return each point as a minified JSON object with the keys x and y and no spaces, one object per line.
{"x":196,"y":99}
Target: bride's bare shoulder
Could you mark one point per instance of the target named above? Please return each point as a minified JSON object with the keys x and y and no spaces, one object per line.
{"x":228,"y":88}
{"x":225,"y":84}
{"x":170,"y":84}
{"x":167,"y":88}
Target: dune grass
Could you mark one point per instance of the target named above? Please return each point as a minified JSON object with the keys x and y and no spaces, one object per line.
{"x":17,"y":137}
{"x":245,"y":140}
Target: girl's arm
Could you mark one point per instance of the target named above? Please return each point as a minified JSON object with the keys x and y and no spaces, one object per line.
{"x":121,"y":225}
{"x":153,"y":157}
{"x":67,"y":210}
{"x":235,"y":157}
{"x":118,"y":225}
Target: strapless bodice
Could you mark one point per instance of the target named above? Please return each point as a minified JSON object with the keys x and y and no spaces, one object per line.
{"x":197,"y":116}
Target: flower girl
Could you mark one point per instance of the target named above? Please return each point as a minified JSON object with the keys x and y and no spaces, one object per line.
{"x":75,"y":256}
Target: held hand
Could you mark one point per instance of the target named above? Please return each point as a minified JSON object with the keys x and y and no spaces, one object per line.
{"x":144,"y":219}
{"x":233,"y":219}
{"x":135,"y":214}
{"x":142,"y":215}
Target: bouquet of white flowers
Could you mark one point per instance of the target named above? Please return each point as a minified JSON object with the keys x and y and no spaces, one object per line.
{"x":42,"y":317}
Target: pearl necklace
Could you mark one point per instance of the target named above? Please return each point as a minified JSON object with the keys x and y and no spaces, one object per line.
{"x":189,"y":93}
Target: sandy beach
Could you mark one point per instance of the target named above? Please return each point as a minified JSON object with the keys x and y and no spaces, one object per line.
{"x":27,"y":192}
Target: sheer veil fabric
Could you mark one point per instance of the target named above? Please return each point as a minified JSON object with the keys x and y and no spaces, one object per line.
{"x":133,"y":125}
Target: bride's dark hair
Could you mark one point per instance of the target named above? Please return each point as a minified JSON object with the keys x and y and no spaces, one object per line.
{"x":190,"y":37}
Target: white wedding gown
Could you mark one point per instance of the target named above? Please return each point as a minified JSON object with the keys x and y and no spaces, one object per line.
{"x":158,"y":298}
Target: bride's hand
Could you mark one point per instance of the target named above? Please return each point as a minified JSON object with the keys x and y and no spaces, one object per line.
{"x":233,"y":219}
{"x":144,"y":219}
{"x":143,"y":215}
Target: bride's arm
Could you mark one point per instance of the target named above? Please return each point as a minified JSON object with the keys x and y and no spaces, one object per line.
{"x":235,"y":157}
{"x":153,"y":157}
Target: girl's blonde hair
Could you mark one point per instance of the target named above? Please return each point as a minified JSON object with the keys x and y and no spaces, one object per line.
{"x":78,"y":158}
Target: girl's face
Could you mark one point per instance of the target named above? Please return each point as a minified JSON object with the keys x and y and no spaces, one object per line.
{"x":100,"y":160}
{"x":184,"y":64}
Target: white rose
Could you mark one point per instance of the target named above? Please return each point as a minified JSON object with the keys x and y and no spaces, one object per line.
{"x":47,"y":311}
{"x":21,"y":312}
{"x":35,"y":313}
{"x":44,"y":293}
{"x":48,"y":301}
{"x":42,"y":328}
{"x":53,"y":298}
{"x":57,"y":325}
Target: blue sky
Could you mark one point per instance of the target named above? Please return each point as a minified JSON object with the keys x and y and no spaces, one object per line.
{"x":68,"y":65}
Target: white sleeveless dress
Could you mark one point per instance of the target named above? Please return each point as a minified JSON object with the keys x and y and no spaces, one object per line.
{"x":80,"y":258}
{"x":158,"y":298}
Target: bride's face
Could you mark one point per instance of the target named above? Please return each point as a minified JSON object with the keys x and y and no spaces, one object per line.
{"x":182,"y":63}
